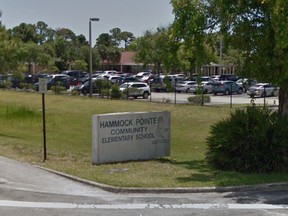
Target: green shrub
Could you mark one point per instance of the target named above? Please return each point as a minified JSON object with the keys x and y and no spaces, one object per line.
{"x":250,"y":140}
{"x":58,"y":89}
{"x":26,"y":86}
{"x":103,"y":84}
{"x":168,"y":84}
{"x":74,"y":92}
{"x":115,"y":92}
{"x":7,"y":84}
{"x":104,"y":93}
{"x":199,"y":99}
{"x":104,"y":87}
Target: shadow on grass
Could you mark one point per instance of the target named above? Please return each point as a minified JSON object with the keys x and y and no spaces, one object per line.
{"x":203,"y":172}
{"x":4,"y":135}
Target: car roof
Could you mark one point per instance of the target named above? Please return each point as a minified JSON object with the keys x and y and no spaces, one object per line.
{"x":137,"y":83}
{"x":225,"y":81}
{"x":262,"y":84}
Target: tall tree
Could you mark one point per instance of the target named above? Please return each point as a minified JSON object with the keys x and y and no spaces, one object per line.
{"x":31,"y":53}
{"x":128,"y":38}
{"x":44,"y":32}
{"x":119,"y":37}
{"x":190,"y":27}
{"x":26,"y":32}
{"x":107,"y":49}
{"x":81,"y":40}
{"x":67,"y":34}
{"x":116,"y":36}
{"x":157,"y":48}
{"x":64,"y":52}
{"x":9,"y":61}
{"x":258,"y":28}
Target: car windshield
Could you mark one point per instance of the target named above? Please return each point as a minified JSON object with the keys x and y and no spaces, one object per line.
{"x":217,"y":84}
{"x":124,"y":85}
{"x":259,"y":85}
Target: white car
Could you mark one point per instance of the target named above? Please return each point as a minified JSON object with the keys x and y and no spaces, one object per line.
{"x":113,"y":78}
{"x":110,"y":72}
{"x":262,"y":90}
{"x":207,"y":87}
{"x":135,"y":89}
{"x":185,"y":86}
{"x":143,"y":76}
{"x":51,"y":76}
{"x":246,"y":83}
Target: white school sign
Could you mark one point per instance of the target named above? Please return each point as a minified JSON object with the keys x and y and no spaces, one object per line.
{"x":130,"y":136}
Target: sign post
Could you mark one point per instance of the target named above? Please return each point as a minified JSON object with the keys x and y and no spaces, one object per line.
{"x":43,"y":90}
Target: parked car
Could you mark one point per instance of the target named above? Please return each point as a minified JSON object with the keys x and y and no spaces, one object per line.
{"x":113,"y":78}
{"x":143,"y":76}
{"x":76,"y":76}
{"x":262,"y":90}
{"x":185,"y":86}
{"x":215,"y":77}
{"x":157,"y":85}
{"x":226,"y":88}
{"x":124,"y":79}
{"x":174,"y":80}
{"x":207,"y":87}
{"x":55,"y":81}
{"x":59,"y":81}
{"x":87,"y":77}
{"x":231,"y":77}
{"x":85,"y":87}
{"x":135,"y":89}
{"x":181,"y":75}
{"x":246,"y":83}
{"x":110,"y":72}
{"x":202,"y":79}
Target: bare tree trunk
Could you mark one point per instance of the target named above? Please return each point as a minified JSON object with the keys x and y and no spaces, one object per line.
{"x":283,"y":101}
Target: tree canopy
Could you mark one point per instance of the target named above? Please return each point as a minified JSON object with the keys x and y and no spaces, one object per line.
{"x":257,"y":28}
{"x":40,"y":44}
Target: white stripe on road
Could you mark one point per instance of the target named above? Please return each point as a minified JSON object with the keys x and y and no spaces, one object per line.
{"x":52,"y":205}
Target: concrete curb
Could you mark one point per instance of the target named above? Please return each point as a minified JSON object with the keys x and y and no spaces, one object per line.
{"x":113,"y":189}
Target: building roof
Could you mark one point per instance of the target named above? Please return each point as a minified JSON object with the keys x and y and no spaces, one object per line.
{"x":127,"y":58}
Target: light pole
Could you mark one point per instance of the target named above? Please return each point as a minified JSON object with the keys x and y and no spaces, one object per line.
{"x":90,"y":56}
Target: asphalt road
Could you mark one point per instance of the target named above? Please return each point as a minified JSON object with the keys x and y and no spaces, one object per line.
{"x":29,"y":190}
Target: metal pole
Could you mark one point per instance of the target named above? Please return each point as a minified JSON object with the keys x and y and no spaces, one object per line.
{"x":90,"y":61}
{"x":231,"y":96}
{"x":202,"y":94}
{"x":44,"y":126}
{"x":175,"y":91}
{"x":264,"y":97}
{"x":150,"y":85}
{"x":90,"y":56}
{"x":221,"y":49}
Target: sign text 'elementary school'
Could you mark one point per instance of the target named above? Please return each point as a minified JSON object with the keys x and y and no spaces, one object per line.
{"x":130,"y":136}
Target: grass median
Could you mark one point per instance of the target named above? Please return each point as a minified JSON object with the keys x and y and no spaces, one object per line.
{"x":69,"y":138}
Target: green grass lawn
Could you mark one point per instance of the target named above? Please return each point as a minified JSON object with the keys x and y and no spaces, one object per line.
{"x":69,"y":141}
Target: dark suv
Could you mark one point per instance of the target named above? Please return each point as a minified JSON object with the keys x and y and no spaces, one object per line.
{"x":157,"y":85}
{"x":76,"y":76}
{"x":85,"y":88}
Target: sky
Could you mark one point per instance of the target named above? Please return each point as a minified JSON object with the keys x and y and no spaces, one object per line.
{"x":135,"y":16}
